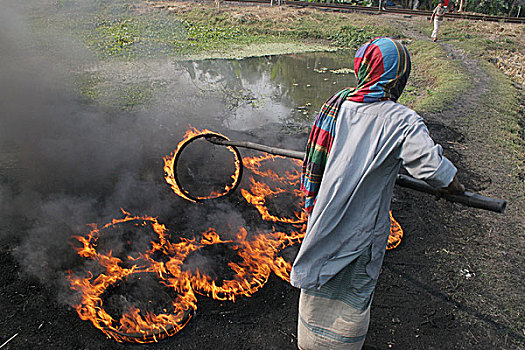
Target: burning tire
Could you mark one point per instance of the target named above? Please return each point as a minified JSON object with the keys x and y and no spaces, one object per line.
{"x":171,"y":162}
{"x":273,"y":186}
{"x":141,"y":256}
{"x":135,"y":323}
{"x":102,"y":283}
{"x":250,"y":270}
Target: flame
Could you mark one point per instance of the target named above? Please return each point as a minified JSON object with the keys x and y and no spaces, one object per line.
{"x":134,"y":325}
{"x":169,"y":166}
{"x":396,"y":233}
{"x":258,"y":254}
{"x":250,"y":275}
{"x":260,"y":191}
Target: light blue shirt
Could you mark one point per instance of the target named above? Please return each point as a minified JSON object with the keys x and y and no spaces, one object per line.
{"x":372,"y":141}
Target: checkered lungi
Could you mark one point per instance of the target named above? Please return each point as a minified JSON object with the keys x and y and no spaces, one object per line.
{"x":337,"y":315}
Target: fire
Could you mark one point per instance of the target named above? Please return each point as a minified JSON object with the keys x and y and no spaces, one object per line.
{"x":134,"y":325}
{"x":250,"y":275}
{"x":396,"y":233}
{"x":260,"y":191}
{"x":257,"y":254}
{"x":171,"y":160}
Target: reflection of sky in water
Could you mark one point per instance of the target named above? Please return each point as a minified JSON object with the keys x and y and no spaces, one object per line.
{"x":265,"y":106}
{"x":276,"y":89}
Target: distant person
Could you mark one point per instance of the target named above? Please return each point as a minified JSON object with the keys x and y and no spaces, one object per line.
{"x":437,"y":17}
{"x":359,"y":140}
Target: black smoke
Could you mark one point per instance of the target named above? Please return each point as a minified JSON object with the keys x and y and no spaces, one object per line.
{"x":66,"y":162}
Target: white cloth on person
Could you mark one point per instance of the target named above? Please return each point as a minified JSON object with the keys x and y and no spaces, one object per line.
{"x":438,"y":14}
{"x":351,"y":213}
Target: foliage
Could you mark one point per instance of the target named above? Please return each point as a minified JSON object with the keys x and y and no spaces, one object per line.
{"x":352,"y":2}
{"x":489,"y":7}
{"x":431,"y":64}
{"x":116,"y":29}
{"x":198,"y":32}
{"x":352,"y":36}
{"x":493,"y":7}
{"x":126,"y":36}
{"x":117,"y":36}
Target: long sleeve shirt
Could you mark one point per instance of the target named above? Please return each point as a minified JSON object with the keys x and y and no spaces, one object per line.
{"x":438,"y":13}
{"x":351,"y":214}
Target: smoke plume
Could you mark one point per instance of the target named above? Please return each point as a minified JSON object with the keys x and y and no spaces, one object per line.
{"x":66,"y":162}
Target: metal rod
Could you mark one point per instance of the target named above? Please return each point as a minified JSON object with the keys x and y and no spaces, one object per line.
{"x":8,"y":340}
{"x":469,"y":199}
{"x":245,"y":144}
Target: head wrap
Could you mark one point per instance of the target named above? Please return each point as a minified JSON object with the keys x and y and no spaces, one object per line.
{"x":382,"y":67}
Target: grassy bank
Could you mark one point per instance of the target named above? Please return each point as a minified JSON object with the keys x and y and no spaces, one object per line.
{"x":136,"y":29}
{"x":501,"y":44}
{"x":436,"y":80}
{"x":500,"y":50}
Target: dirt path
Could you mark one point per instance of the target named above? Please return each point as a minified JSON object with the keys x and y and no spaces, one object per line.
{"x":480,"y":250}
{"x":459,"y":267}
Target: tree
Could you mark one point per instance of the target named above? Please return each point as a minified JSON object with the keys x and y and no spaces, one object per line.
{"x":492,"y":7}
{"x":516,"y":7}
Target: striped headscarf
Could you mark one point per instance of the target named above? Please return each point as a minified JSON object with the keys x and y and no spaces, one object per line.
{"x":382,"y":67}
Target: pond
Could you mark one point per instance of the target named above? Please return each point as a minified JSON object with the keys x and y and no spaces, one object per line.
{"x":274,"y":89}
{"x":254,"y":99}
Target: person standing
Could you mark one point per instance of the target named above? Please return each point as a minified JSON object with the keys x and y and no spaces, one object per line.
{"x":437,"y":18}
{"x":357,"y":144}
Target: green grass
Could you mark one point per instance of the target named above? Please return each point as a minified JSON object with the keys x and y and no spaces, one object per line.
{"x":436,"y":80}
{"x":354,"y":36}
{"x":116,"y":29}
{"x":502,"y":107}
{"x":503,"y":121}
{"x":88,"y":86}
{"x":479,"y":37}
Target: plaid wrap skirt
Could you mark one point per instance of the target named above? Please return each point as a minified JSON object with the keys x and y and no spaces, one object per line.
{"x":337,"y":315}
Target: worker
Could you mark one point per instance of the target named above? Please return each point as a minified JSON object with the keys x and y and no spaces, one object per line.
{"x":358,"y":142}
{"x":436,"y":18}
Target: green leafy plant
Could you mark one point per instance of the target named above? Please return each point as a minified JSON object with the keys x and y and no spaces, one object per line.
{"x":352,"y":36}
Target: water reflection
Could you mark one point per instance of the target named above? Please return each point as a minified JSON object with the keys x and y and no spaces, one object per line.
{"x":273,"y":89}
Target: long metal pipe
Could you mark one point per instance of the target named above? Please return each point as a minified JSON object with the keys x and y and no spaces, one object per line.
{"x":469,"y":199}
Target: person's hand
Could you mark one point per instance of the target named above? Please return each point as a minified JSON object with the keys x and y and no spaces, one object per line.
{"x":455,"y":187}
